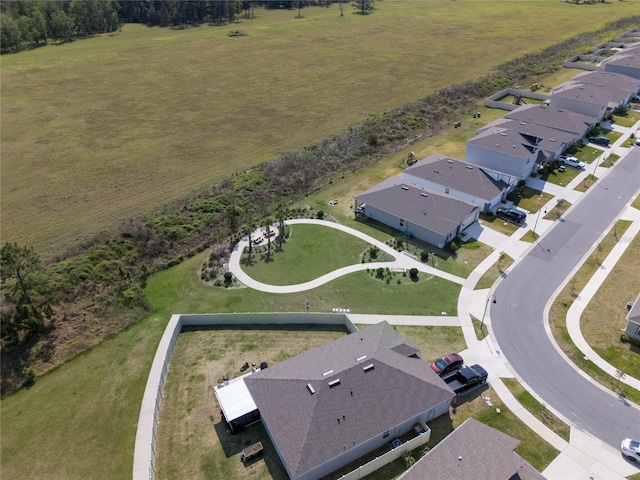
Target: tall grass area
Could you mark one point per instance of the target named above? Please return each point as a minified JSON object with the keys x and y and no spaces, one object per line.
{"x":102,"y":129}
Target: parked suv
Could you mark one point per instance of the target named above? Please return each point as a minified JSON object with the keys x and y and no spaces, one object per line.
{"x":604,"y":141}
{"x":511,"y":214}
{"x":572,"y":162}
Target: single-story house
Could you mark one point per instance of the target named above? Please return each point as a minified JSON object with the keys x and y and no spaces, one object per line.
{"x":621,"y":88}
{"x":554,"y":141}
{"x":473,"y":451}
{"x":333,"y":404}
{"x":482,"y":187}
{"x":633,"y":320}
{"x":505,"y":150}
{"x":556,"y":118}
{"x":626,"y":62}
{"x":416,"y":211}
{"x":584,"y":99}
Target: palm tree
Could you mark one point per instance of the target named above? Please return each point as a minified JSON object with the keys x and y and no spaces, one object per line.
{"x":280,"y":212}
{"x":268,"y":222}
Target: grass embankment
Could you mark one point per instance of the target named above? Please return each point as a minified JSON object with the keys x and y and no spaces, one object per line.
{"x":617,"y":353}
{"x":115,"y":125}
{"x":494,"y":272}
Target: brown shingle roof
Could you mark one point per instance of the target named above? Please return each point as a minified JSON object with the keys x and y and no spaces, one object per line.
{"x":311,"y":429}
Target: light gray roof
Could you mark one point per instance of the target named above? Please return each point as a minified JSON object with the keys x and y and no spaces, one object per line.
{"x":628,"y":57}
{"x":552,"y":138}
{"x":420,"y":206}
{"x":582,"y":93}
{"x":506,"y":141}
{"x":458,"y":175}
{"x":376,"y":389}
{"x":634,"y":313}
{"x":473,"y":451}
{"x":620,"y":86}
{"x":558,"y":118}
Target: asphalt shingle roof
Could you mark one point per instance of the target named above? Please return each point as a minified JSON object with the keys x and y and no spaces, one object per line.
{"x":558,"y":118}
{"x":473,"y":451}
{"x":420,"y":206}
{"x":508,"y":142}
{"x":458,"y":175}
{"x":374,"y":389}
{"x":582,"y":93}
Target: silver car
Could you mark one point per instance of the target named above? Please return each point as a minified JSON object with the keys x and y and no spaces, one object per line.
{"x":631,"y":449}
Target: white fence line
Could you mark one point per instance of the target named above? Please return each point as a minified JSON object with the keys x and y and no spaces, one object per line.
{"x":145,"y":444}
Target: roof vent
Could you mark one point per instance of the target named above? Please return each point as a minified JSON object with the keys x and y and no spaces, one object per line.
{"x":552,"y":139}
{"x":361,"y":358}
{"x":522,"y":123}
{"x":514,"y":145}
{"x":503,"y":134}
{"x":368,"y":368}
{"x":310,"y":388}
{"x":334,"y":383}
{"x":449,"y":161}
{"x":328,"y":372}
{"x":405,"y":187}
{"x":469,"y":167}
{"x":424,"y":194}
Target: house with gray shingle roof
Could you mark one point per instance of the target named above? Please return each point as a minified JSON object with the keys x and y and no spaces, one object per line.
{"x":333,"y":404}
{"x":482,"y":187}
{"x":554,"y":141}
{"x":473,"y":451}
{"x":505,"y":150}
{"x":626,"y":62}
{"x":633,"y":320}
{"x":557,"y":118}
{"x":417,"y":211}
{"x":584,"y":99}
{"x":621,"y":88}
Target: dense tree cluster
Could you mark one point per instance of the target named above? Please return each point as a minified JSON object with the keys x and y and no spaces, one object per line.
{"x":103,"y":281}
{"x":31,"y":23}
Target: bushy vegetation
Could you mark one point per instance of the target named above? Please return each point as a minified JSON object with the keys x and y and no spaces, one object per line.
{"x":97,"y":287}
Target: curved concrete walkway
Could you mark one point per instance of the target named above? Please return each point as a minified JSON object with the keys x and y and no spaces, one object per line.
{"x":581,"y":457}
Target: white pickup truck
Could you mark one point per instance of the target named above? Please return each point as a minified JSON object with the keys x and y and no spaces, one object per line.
{"x":572,"y":162}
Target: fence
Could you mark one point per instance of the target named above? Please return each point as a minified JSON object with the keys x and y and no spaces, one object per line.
{"x":145,"y":445}
{"x":494,"y":100}
{"x":388,"y":457}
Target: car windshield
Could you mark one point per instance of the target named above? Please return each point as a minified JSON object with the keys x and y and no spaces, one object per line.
{"x":635,"y":445}
{"x":441,"y":364}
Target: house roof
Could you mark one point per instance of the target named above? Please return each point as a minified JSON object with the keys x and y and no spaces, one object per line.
{"x":558,"y":118}
{"x":619,"y":86}
{"x":420,"y":206}
{"x":473,"y":450}
{"x":458,"y":175}
{"x":508,"y":142}
{"x":628,"y":57}
{"x":552,"y":138}
{"x":634,"y":313}
{"x":374,"y":389}
{"x":582,"y":93}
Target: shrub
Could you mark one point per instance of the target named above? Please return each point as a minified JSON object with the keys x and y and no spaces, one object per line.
{"x":413,"y":273}
{"x":228,"y":276}
{"x":29,"y":375}
{"x":380,"y":272}
{"x":424,"y":256}
{"x":373,"y":251}
{"x":627,"y":339}
{"x":320,"y":214}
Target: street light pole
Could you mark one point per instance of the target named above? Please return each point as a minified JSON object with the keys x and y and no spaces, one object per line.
{"x":492,"y":296}
{"x":536,"y":224}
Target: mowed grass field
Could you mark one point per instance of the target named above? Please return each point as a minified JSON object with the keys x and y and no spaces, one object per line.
{"x":102,"y":129}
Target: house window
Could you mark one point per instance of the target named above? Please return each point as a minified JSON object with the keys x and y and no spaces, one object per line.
{"x":402,"y":222}
{"x":385,"y":434}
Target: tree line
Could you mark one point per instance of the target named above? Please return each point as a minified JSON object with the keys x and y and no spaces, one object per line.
{"x":102,"y":282}
{"x":28,"y":24}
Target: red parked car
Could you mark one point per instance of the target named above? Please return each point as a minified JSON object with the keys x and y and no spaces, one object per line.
{"x":447,"y":364}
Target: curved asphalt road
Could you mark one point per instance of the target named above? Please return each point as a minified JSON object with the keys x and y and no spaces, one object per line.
{"x":517,"y":318}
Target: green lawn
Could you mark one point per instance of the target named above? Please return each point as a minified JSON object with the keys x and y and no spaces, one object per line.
{"x":495,"y":271}
{"x":561,"y":178}
{"x":118,"y":124}
{"x":627,"y":120}
{"x":588,"y":154}
{"x":529,"y":199}
{"x":310,"y":252}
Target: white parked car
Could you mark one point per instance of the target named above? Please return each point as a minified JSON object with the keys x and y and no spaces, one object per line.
{"x":630,"y":449}
{"x":572,"y":162}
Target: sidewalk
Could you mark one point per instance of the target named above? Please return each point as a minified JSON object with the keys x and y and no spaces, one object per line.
{"x":583,"y":457}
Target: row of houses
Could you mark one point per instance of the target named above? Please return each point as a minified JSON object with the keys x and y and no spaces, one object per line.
{"x":436,"y":199}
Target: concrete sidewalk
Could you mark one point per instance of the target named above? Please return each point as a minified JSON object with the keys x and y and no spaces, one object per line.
{"x":582,"y":457}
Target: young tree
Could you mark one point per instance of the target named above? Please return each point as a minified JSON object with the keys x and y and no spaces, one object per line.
{"x":268,"y":223}
{"x":363,"y":7}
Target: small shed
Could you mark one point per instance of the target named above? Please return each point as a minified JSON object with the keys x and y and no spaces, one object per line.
{"x":236,"y":404}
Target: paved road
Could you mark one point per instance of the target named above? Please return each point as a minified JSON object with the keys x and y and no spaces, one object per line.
{"x":517,"y":317}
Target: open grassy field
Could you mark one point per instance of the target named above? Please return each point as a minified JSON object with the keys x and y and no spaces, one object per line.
{"x":100,"y":130}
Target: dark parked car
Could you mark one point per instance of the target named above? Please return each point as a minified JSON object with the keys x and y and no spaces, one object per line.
{"x":511,"y":214}
{"x":447,"y":364}
{"x":604,"y":141}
